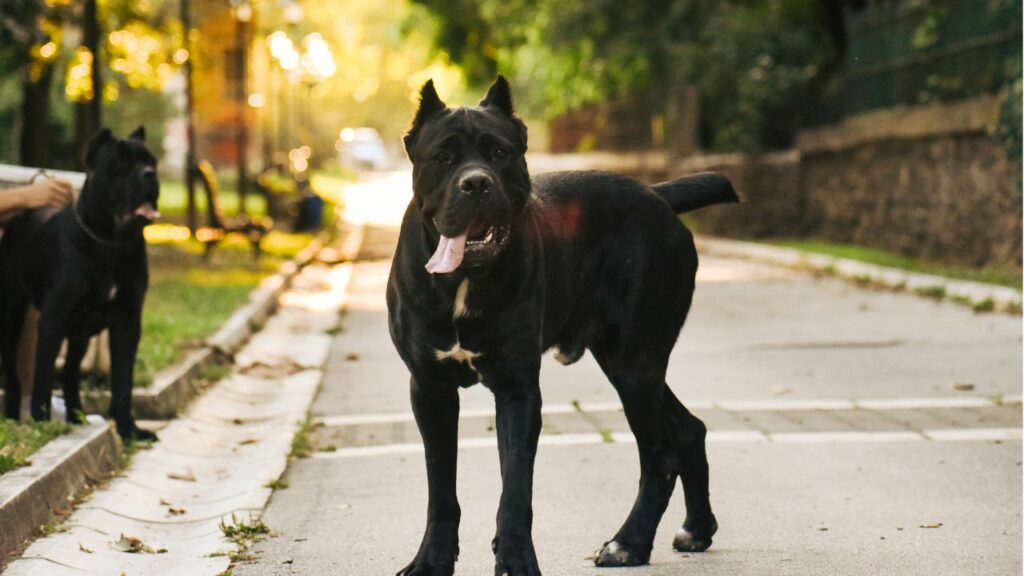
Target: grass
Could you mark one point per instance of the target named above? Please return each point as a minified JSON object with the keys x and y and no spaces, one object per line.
{"x":302,"y":442}
{"x":19,"y":441}
{"x":999,"y":276}
{"x":173,"y":199}
{"x":189,"y":298}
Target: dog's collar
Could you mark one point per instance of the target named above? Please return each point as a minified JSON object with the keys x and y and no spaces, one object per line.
{"x":99,"y":239}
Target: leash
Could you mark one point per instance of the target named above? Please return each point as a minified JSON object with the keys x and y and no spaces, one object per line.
{"x":99,"y":239}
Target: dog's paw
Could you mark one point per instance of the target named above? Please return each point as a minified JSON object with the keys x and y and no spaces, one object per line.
{"x":518,"y":561}
{"x":613,"y":554}
{"x":423,"y":568}
{"x":689,"y":539}
{"x":136,"y":434}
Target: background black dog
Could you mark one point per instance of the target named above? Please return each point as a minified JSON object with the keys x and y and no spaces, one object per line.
{"x":84,"y":268}
{"x":492,"y":269}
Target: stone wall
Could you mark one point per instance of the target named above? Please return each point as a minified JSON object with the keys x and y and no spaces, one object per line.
{"x":926,"y":182}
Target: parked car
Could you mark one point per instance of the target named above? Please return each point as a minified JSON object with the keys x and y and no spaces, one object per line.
{"x":362,"y":148}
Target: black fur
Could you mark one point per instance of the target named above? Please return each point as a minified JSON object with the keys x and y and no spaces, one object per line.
{"x":84,"y":268}
{"x":590,"y":260}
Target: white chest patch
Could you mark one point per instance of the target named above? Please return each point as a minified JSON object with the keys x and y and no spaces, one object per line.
{"x":459,"y":308}
{"x":458,"y":354}
{"x":112,"y":294}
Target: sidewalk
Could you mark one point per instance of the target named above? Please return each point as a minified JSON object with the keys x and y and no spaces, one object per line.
{"x":852,"y":432}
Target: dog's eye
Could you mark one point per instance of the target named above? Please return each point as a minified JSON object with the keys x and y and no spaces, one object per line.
{"x":500,"y":152}
{"x":443,"y":157}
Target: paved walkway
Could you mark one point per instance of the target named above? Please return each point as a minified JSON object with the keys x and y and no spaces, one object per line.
{"x":163,"y":515}
{"x":852,"y":432}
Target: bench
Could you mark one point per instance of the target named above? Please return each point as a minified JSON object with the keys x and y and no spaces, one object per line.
{"x":218,"y":225}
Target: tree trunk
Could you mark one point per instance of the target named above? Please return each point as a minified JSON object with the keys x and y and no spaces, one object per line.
{"x":88,"y":115}
{"x":34,"y":148}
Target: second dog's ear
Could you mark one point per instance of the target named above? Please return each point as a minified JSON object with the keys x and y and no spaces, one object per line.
{"x":430,"y":104}
{"x":97,"y":142}
{"x":499,"y":95}
{"x":139,"y":134}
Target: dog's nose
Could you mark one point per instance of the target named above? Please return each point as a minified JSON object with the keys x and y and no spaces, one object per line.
{"x":475,"y":182}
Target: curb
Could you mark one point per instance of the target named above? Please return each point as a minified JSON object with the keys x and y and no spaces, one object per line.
{"x":176,"y":385}
{"x":961,"y":291}
{"x":29,"y":496}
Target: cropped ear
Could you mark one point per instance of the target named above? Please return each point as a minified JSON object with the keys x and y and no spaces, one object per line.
{"x":430,"y":104}
{"x":139,"y":134}
{"x":499,"y":96}
{"x":97,"y":142}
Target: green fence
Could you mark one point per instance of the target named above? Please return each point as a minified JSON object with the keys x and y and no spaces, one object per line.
{"x":915,"y":52}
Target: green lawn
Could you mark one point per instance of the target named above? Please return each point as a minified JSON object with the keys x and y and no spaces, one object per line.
{"x":19,"y":441}
{"x":190,"y":298}
{"x":1001,"y":277}
{"x":173,"y":199}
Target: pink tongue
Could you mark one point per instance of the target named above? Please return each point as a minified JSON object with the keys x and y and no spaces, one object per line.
{"x":147,"y":211}
{"x":448,"y":255}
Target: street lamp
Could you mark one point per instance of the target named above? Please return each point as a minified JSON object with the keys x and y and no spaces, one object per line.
{"x":242,"y":11}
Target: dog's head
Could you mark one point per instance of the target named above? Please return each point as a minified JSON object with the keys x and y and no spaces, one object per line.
{"x":469,"y":175}
{"x":122,"y":180}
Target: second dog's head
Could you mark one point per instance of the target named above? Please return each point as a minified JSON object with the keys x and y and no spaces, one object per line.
{"x":123,"y":185}
{"x":469,"y":175}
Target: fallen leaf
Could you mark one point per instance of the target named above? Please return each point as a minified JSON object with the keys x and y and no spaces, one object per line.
{"x":131,"y":545}
{"x":934,"y":525}
{"x":177,"y":511}
{"x":186,"y":476}
{"x":164,"y":502}
{"x":248,"y":441}
{"x":351,"y":356}
{"x":85,"y":549}
{"x":963,"y":386}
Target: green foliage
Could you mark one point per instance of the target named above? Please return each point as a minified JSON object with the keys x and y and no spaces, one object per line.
{"x":19,"y":441}
{"x":755,"y":61}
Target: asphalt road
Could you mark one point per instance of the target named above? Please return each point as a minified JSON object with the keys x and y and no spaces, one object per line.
{"x":852,"y":432}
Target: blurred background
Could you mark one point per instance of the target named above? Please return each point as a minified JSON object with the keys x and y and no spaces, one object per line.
{"x":890,"y":125}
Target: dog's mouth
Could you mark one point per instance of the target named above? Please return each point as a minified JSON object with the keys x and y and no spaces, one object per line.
{"x":146,"y":213}
{"x":478,"y":245}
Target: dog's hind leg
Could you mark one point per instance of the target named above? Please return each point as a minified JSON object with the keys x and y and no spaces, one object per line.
{"x":13,"y":315}
{"x":641,"y":394}
{"x":77,"y":345}
{"x":687,"y":435}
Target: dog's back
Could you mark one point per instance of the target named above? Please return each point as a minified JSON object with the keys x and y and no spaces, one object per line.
{"x":605,"y":236}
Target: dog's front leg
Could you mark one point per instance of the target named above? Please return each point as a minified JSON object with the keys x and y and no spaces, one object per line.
{"x":518,"y":406}
{"x":436,"y":407}
{"x":125,"y":331}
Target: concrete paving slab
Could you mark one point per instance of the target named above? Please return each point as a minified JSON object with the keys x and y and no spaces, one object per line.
{"x":212,"y":467}
{"x":839,"y":482}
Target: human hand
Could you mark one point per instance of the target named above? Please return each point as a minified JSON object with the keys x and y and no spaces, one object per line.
{"x":46,"y":192}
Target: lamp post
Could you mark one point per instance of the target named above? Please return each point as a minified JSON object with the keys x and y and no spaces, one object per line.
{"x":190,"y":128}
{"x":242,"y":11}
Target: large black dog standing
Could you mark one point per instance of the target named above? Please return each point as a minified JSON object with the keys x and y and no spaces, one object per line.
{"x":492,"y":269}
{"x":84,"y":268}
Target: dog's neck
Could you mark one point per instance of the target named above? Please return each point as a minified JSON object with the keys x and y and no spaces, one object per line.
{"x":96,"y":222}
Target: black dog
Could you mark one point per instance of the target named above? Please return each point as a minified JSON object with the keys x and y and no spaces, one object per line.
{"x":84,"y":268}
{"x":513,"y":267}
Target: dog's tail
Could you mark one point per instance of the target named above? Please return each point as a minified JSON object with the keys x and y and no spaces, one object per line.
{"x":696,"y":191}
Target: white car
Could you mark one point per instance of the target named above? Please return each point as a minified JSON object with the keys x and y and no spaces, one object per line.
{"x":362,"y":148}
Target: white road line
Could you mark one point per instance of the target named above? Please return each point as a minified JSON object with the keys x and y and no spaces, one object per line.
{"x":763,"y":405}
{"x":924,"y":403}
{"x":714,"y":437}
{"x":975,"y":434}
{"x":844,"y":436}
{"x":775,"y":404}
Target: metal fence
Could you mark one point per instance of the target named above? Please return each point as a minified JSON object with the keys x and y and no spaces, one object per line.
{"x":911,"y":52}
